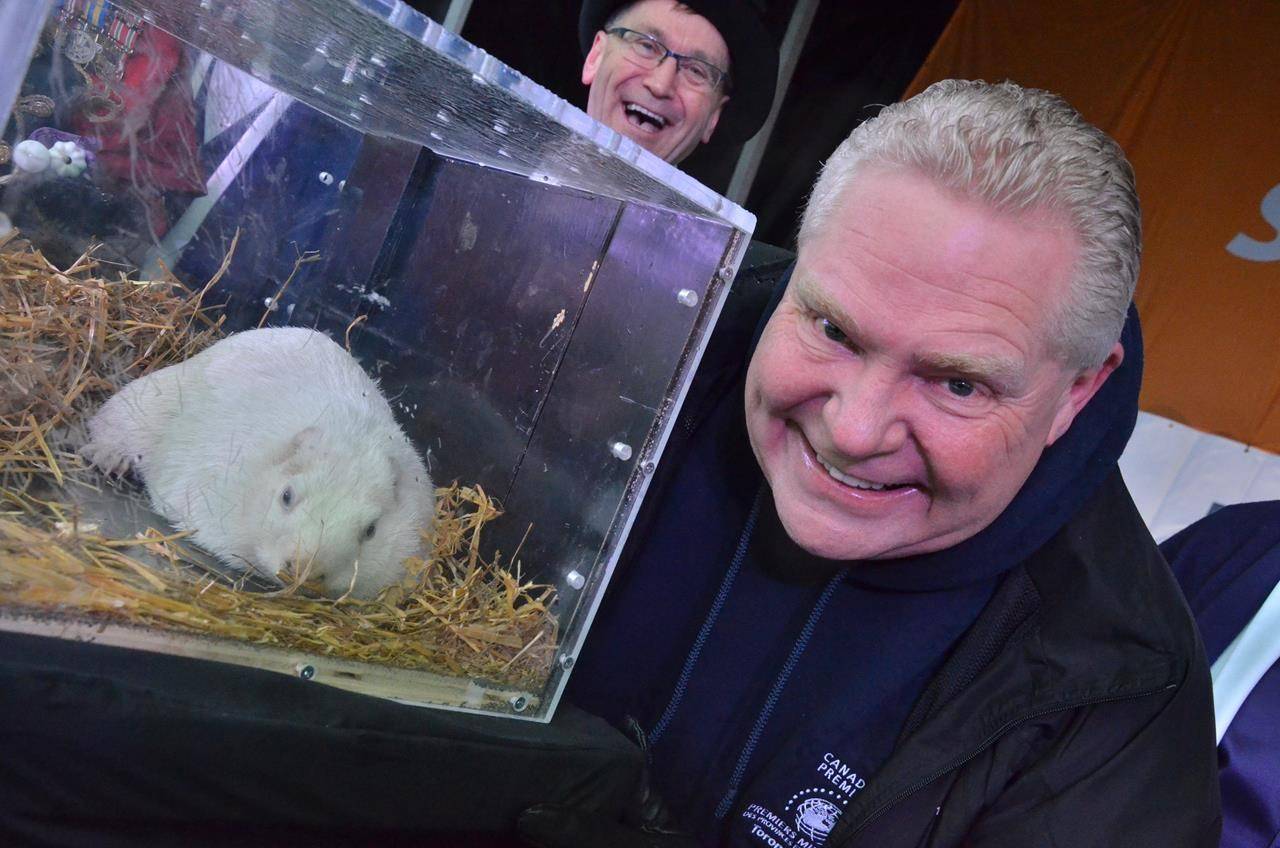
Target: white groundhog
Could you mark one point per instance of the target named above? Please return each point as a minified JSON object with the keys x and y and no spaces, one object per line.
{"x":280,"y":454}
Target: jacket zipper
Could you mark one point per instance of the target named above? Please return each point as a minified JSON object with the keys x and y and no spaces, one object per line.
{"x":986,"y":743}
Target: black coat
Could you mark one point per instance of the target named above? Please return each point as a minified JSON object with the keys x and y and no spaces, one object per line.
{"x":1077,"y":711}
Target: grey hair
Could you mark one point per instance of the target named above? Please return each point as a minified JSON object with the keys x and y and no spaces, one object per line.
{"x":1019,"y":150}
{"x":614,"y":19}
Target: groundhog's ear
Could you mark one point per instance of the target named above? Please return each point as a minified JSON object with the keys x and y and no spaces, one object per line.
{"x":399,"y":469}
{"x":397,"y":480}
{"x":406,"y":469}
{"x":298,"y":451}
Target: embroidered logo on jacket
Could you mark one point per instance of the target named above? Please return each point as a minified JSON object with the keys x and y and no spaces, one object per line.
{"x":815,"y":817}
{"x":808,"y":817}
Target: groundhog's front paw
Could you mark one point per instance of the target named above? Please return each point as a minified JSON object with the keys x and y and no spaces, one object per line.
{"x":109,"y":459}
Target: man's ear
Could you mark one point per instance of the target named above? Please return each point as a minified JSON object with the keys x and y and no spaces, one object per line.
{"x":1082,"y":390}
{"x":713,"y":120}
{"x":592,"y":63}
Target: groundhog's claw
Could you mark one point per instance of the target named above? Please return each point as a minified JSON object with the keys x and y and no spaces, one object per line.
{"x":110,"y":461}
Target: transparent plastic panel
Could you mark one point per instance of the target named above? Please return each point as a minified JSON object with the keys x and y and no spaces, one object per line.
{"x":389,"y":71}
{"x":22,"y":22}
{"x":419,"y":490}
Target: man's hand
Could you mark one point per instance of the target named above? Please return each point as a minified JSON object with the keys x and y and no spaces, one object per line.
{"x":551,"y":826}
{"x":646,"y":823}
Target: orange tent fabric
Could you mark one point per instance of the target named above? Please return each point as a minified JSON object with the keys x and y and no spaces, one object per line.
{"x":1191,"y":90}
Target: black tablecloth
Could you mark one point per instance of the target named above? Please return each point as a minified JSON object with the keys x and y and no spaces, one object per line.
{"x":105,"y":746}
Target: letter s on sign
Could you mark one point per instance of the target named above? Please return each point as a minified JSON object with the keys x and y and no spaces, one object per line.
{"x":1261,"y":251}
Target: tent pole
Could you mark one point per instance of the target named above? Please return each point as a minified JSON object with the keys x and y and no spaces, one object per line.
{"x":456,"y":18}
{"x":744,"y":173}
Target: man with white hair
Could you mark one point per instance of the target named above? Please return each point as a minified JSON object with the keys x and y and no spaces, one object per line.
{"x":927,"y":613}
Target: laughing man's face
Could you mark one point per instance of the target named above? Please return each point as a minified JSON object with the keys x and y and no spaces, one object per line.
{"x":655,"y":107}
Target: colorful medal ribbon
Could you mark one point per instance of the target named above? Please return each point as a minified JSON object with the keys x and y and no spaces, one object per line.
{"x":97,"y":32}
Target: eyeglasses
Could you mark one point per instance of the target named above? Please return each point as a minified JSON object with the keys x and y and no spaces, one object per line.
{"x":649,"y":52}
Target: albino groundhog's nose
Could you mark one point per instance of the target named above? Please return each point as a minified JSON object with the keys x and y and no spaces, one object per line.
{"x":299,"y":570}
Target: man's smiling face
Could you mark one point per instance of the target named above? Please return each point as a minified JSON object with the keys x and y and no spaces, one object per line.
{"x":654,"y":107}
{"x":905,"y":388}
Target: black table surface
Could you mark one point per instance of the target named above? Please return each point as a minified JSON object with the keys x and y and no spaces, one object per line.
{"x":107,"y":746}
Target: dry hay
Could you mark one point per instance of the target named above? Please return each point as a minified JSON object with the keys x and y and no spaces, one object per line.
{"x":68,"y":339}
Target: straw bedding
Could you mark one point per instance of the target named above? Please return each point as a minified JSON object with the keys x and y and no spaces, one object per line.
{"x":68,"y":339}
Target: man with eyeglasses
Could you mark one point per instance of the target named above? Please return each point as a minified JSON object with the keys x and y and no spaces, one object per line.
{"x":668,"y":75}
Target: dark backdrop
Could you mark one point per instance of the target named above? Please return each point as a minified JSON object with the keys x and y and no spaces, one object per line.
{"x":858,"y":56}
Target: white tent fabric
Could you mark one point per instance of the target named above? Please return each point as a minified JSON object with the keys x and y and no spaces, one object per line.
{"x":1249,"y":656}
{"x":1178,"y":474}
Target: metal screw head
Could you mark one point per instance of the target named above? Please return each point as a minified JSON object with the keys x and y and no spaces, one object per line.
{"x":575,"y":579}
{"x":519,"y":703}
{"x":687,"y":297}
{"x":566,"y":662}
{"x":648,"y":467}
{"x":306,"y":671}
{"x":620,"y":450}
{"x":326,"y":178}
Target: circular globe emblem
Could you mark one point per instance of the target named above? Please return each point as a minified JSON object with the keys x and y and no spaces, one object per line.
{"x":815,"y":817}
{"x":81,"y":48}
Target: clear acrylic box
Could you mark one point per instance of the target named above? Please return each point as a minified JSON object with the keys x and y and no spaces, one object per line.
{"x":531,"y":290}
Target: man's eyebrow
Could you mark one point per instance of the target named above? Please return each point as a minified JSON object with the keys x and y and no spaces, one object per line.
{"x":1006,"y":376}
{"x":1003,"y":375}
{"x":817,"y":300}
{"x":657,"y":33}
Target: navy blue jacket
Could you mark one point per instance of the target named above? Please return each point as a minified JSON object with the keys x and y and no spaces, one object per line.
{"x":1228,"y":563}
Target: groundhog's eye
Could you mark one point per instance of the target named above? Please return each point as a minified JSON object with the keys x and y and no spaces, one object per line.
{"x":370,"y":530}
{"x":286,"y":497}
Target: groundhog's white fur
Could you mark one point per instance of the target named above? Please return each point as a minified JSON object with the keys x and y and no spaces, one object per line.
{"x":278,"y":452}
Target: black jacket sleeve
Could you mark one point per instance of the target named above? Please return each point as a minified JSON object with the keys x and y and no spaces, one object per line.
{"x":1115,"y":774}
